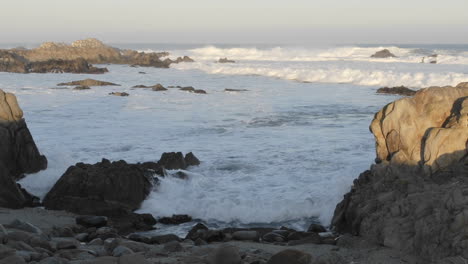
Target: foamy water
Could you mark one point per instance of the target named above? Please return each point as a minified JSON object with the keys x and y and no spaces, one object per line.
{"x":284,"y":152}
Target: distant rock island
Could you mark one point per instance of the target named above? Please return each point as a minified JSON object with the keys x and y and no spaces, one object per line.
{"x":77,"y":57}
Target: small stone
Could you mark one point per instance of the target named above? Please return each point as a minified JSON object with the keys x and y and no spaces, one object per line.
{"x":25,"y":226}
{"x":6,"y":251}
{"x":91,"y":221}
{"x":3,"y":235}
{"x":66,"y":243}
{"x":54,"y":260}
{"x":133,"y":259}
{"x":119,"y":94}
{"x":173,"y":246}
{"x":196,"y":231}
{"x":313,"y":238}
{"x":290,"y":256}
{"x":120,"y":251}
{"x":245,"y":235}
{"x":273,"y":237}
{"x":139,"y":238}
{"x":82,"y":237}
{"x":191,"y":159}
{"x":96,"y":242}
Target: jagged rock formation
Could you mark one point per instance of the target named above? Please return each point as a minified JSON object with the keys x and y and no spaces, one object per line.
{"x":385,"y":53}
{"x":90,"y":50}
{"x":18,"y":153}
{"x":416,"y":198}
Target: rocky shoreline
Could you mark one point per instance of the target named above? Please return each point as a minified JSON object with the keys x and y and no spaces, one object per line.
{"x":409,"y":207}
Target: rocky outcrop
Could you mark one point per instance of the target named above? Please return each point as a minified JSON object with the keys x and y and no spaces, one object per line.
{"x":415,"y":199}
{"x":88,"y":82}
{"x":105,"y":188}
{"x":18,"y":153}
{"x":414,"y":130}
{"x":95,"y":52}
{"x":399,"y":90}
{"x":385,"y":53}
{"x":157,"y":87}
{"x":119,"y":94}
{"x":13,"y":62}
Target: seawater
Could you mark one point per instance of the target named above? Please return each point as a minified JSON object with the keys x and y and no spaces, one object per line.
{"x":282,"y":153}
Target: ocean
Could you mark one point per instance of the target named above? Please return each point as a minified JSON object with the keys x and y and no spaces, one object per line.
{"x":284,"y":152}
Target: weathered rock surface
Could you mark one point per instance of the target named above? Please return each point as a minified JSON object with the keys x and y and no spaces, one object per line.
{"x":88,"y":82}
{"x":105,"y":188}
{"x":18,"y":153}
{"x":385,"y":53}
{"x":416,"y":129}
{"x":415,"y":199}
{"x":399,"y":90}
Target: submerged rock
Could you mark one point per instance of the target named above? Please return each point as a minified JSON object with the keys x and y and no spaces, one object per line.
{"x":78,"y":65}
{"x":81,"y":87}
{"x":399,"y":90}
{"x":175,"y":219}
{"x":88,"y":82}
{"x":385,"y":53}
{"x":119,"y":94}
{"x":225,"y":60}
{"x":235,"y":90}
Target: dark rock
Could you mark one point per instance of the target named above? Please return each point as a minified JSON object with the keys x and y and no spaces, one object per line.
{"x":119,"y":94}
{"x":78,"y":65}
{"x":163,"y":239}
{"x":180,"y":175}
{"x":225,"y":60}
{"x":236,"y":90}
{"x":6,"y":251}
{"x":385,"y":53}
{"x":173,"y":246}
{"x":187,"y":88}
{"x":158,"y":87}
{"x":105,"y":188}
{"x":173,"y":161}
{"x":290,"y":256}
{"x":91,"y":221}
{"x":54,"y":260}
{"x":139,"y":238}
{"x":191,"y":159}
{"x":63,"y":243}
{"x":81,"y":87}
{"x":199,"y":91}
{"x":132,"y":222}
{"x":273,"y":237}
{"x":96,"y":242}
{"x":3,"y":235}
{"x":82,"y":237}
{"x":183,"y":59}
{"x":121,"y":250}
{"x":18,"y":152}
{"x":400,"y":90}
{"x":175,"y":219}
{"x":316,"y":228}
{"x":88,"y":82}
{"x":195,"y":232}
{"x":245,"y":235}
{"x":226,"y":255}
{"x":142,"y":72}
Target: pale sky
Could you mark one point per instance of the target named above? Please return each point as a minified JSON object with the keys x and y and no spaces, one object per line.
{"x":238,"y":21}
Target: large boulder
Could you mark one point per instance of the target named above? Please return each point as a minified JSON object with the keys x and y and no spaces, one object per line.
{"x":105,"y":188}
{"x":78,"y":65}
{"x":18,"y":153}
{"x":415,"y":199}
{"x":415,"y":130}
